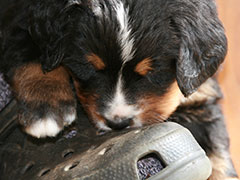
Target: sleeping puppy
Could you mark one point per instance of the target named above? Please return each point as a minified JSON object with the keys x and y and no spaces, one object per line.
{"x":130,"y":63}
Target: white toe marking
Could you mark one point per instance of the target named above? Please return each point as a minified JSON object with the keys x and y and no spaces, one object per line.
{"x":44,"y":127}
{"x":69,"y":118}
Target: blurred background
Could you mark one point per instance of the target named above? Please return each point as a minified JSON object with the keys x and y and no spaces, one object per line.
{"x":229,"y":12}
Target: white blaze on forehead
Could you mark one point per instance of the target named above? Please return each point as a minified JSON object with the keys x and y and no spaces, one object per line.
{"x":119,"y":95}
{"x":119,"y":107}
{"x":124,"y":35}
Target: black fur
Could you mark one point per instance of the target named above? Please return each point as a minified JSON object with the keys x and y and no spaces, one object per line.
{"x":183,"y":32}
{"x":206,"y":122}
{"x":183,"y":38}
{"x":203,"y":43}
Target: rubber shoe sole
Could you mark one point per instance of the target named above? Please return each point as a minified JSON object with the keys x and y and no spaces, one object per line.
{"x":117,"y":158}
{"x":80,"y":154}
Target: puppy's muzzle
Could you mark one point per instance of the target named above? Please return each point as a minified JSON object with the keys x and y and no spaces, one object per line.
{"x":119,"y":123}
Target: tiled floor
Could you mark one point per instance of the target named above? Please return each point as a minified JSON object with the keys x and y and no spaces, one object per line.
{"x":229,"y":12}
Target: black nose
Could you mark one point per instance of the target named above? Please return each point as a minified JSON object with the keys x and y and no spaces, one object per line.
{"x":119,"y":123}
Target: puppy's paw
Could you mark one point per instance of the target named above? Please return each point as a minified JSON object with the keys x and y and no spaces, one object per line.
{"x":42,"y":119}
{"x":47,"y":102}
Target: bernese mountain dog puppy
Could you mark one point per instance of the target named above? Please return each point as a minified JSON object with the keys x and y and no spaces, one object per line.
{"x":129,"y":62}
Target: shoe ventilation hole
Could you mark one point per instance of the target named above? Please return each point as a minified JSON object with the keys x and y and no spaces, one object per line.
{"x":44,"y":172}
{"x":149,"y":165}
{"x":27,"y":167}
{"x":67,"y":153}
{"x":71,"y":166}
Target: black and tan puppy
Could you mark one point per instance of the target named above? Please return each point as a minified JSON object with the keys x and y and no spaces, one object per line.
{"x":132,"y":63}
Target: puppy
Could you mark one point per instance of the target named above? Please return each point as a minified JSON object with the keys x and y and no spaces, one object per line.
{"x":129,"y":62}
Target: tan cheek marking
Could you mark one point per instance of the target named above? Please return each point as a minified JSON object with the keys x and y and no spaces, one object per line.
{"x":157,"y":109}
{"x":96,"y":61}
{"x":88,"y":102}
{"x":31,"y":84}
{"x":171,"y":100}
{"x":144,"y":66}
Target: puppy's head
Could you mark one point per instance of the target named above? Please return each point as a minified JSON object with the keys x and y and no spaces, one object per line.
{"x":134,"y":60}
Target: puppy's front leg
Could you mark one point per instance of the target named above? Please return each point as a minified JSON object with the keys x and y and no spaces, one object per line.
{"x":46,"y":101}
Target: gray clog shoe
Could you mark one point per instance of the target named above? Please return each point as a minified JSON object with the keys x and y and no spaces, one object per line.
{"x":165,"y":151}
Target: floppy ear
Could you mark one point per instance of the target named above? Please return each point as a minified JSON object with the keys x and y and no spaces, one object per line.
{"x":202,"y":45}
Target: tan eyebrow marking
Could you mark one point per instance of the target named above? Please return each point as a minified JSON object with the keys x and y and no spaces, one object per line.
{"x":96,"y":61}
{"x":144,"y":66}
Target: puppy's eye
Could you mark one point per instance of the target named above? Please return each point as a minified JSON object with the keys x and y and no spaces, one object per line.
{"x":144,"y":66}
{"x":96,"y":61}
